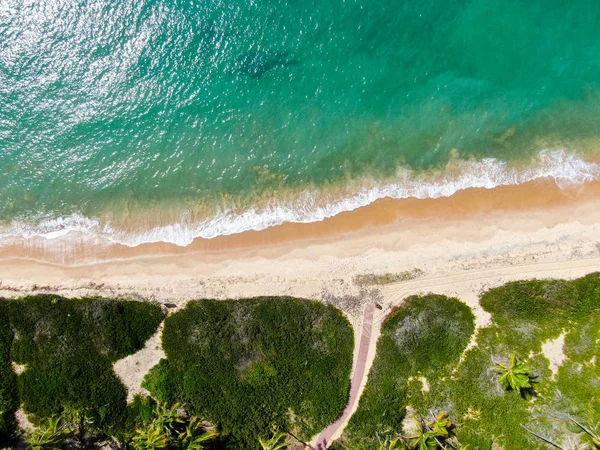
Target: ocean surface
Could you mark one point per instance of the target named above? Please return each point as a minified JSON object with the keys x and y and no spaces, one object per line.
{"x":146,"y":120}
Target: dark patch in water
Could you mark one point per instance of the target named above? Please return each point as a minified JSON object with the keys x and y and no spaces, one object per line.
{"x":256,"y":63}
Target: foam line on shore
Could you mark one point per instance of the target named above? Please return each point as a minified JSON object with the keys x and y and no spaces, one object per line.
{"x":565,"y":168}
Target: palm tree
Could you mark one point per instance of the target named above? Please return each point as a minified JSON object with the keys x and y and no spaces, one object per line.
{"x":593,"y":436}
{"x":433,"y":435}
{"x":50,"y":435}
{"x":275,"y":442}
{"x":516,"y":376}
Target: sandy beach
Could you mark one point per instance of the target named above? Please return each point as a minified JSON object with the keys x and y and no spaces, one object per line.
{"x":475,"y":229}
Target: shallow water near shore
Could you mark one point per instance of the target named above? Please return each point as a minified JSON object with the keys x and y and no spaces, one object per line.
{"x":162,"y":121}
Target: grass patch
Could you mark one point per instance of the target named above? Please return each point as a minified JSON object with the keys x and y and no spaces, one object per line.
{"x":387,"y":278}
{"x":525,"y":314}
{"x":249,"y":364}
{"x":69,"y":347}
{"x":423,"y":337}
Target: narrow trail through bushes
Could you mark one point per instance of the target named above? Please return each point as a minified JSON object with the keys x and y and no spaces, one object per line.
{"x":358,"y":375}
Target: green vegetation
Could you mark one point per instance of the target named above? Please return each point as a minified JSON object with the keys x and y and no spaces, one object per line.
{"x":280,"y":368}
{"x":525,"y":315}
{"x":424,"y":337}
{"x":515,"y":376}
{"x":172,"y":428}
{"x":387,"y":278}
{"x":8,"y":380}
{"x":249,"y":365}
{"x":68,"y":348}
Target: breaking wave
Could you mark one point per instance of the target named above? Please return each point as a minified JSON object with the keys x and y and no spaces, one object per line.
{"x":565,"y":168}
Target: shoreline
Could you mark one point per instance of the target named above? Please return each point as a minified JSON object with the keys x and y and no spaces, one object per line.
{"x":277,"y":218}
{"x":473,"y":229}
{"x":382,"y":216}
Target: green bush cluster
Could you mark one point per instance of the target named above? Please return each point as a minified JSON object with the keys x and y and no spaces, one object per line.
{"x":423,"y":337}
{"x":247,"y":365}
{"x":525,"y":315}
{"x":9,"y":401}
{"x":69,"y":346}
{"x":140,"y":412}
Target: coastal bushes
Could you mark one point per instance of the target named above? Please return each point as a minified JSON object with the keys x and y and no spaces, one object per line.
{"x":532,"y":320}
{"x":68,"y":348}
{"x":419,"y":343}
{"x":251,"y":365}
{"x":525,"y":316}
{"x":8,"y":380}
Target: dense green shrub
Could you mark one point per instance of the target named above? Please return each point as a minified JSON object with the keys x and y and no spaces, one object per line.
{"x":69,"y":346}
{"x":140,"y":412}
{"x":526,"y":314}
{"x":421,"y":338}
{"x":8,"y":380}
{"x":165,"y":382}
{"x":247,"y":364}
{"x":544,"y":301}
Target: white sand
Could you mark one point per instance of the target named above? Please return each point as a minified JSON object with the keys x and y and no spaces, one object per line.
{"x":133,"y":368}
{"x":553,"y":350}
{"x":23,"y":421}
{"x":18,"y":368}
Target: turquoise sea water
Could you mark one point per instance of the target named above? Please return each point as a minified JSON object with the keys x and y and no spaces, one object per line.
{"x":165,"y":120}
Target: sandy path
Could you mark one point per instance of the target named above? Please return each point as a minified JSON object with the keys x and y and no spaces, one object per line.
{"x":133,"y":368}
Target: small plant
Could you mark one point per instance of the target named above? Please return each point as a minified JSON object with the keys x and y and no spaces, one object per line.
{"x":195,"y":435}
{"x":168,"y":418}
{"x":152,"y":438}
{"x":391,"y":444}
{"x":435,"y":434}
{"x":276,"y":442}
{"x":515,"y":376}
{"x":172,"y":428}
{"x":50,"y":435}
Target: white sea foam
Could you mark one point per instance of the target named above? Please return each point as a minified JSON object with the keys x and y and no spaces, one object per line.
{"x":565,"y":168}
